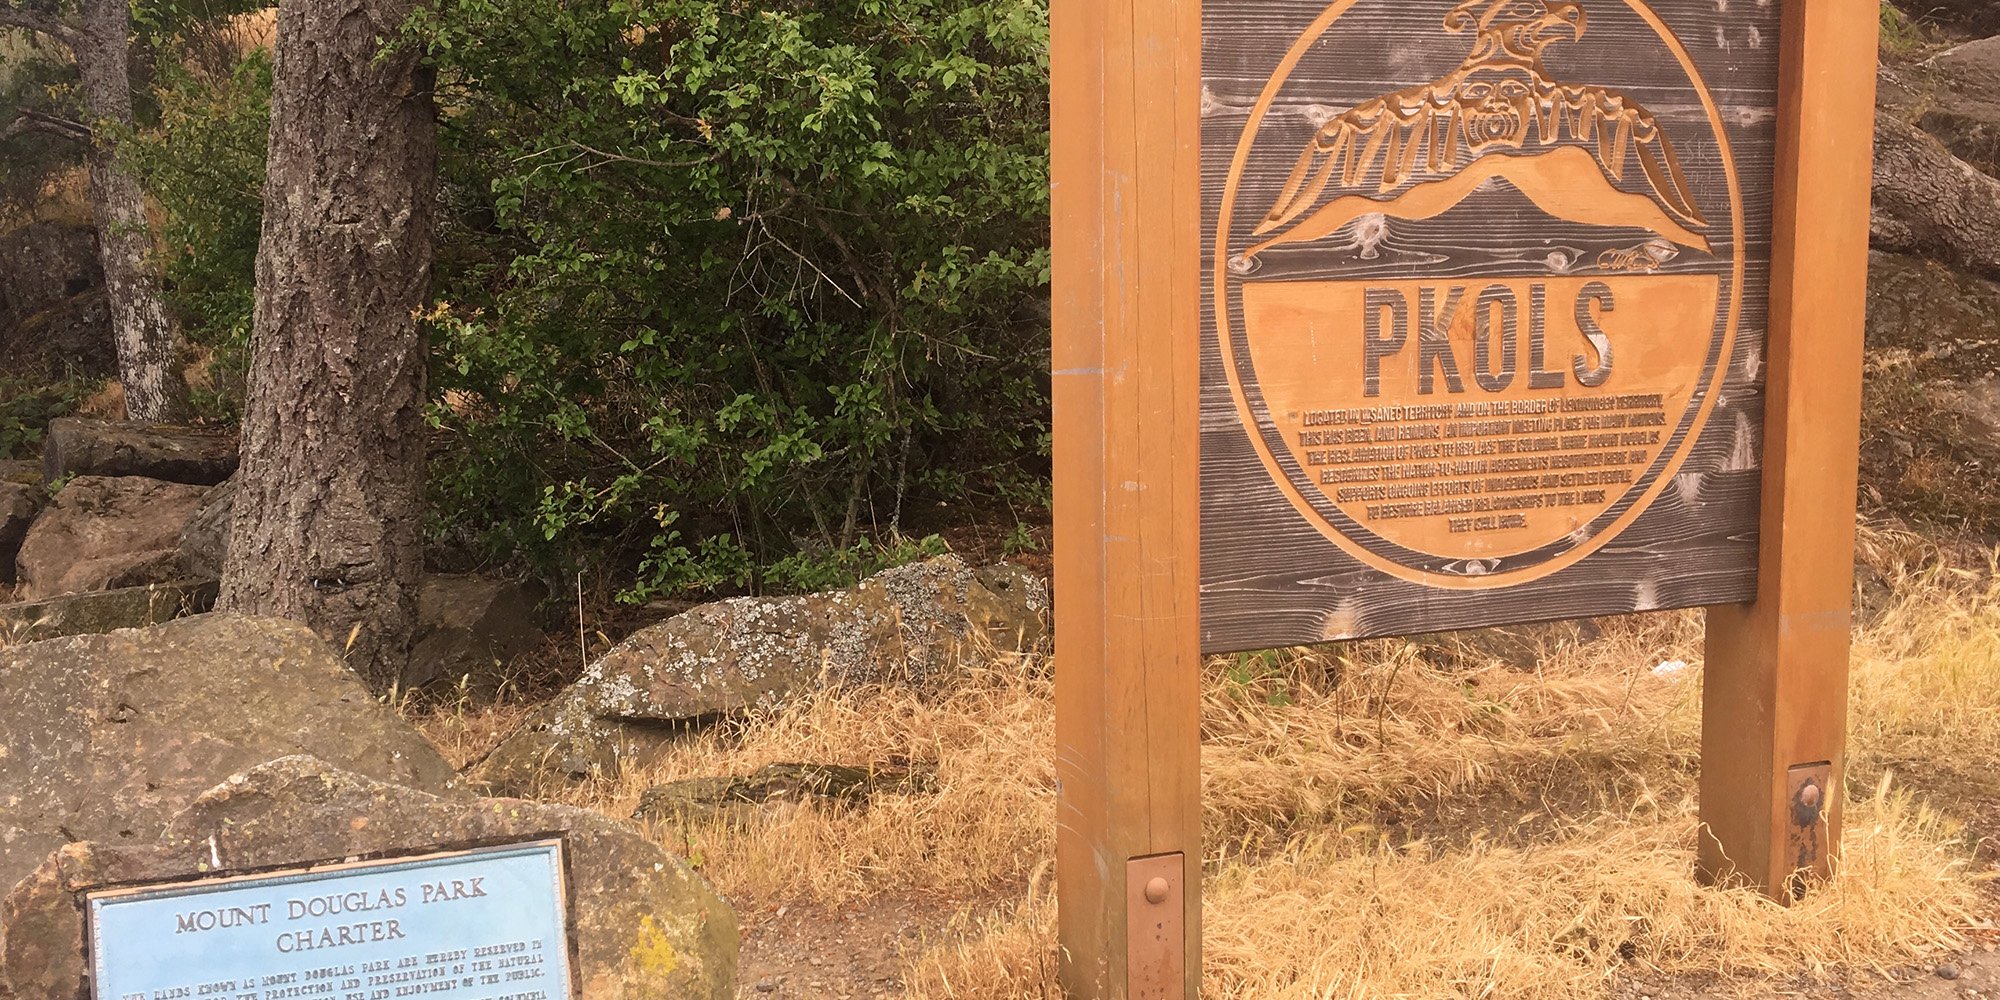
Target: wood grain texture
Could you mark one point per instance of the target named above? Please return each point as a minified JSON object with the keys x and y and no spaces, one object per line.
{"x":1273,"y":576}
{"x":1126,"y":382}
{"x":1775,"y":685}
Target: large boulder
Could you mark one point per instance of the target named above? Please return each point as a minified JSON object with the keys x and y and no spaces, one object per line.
{"x":471,"y":628}
{"x":1977,"y":15}
{"x":19,"y":503}
{"x":104,"y":611}
{"x":643,"y":926}
{"x":45,"y":262}
{"x":53,"y":314}
{"x":79,"y":446}
{"x":203,"y":545}
{"x":905,"y":626}
{"x":1931,"y":438}
{"x":106,"y":737}
{"x":1962,"y":107}
{"x":103,"y":534}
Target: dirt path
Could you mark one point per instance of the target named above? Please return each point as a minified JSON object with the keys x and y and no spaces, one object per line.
{"x":843,"y":954}
{"x":1971,"y":976}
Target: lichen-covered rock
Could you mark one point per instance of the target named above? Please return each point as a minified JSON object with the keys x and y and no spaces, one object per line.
{"x":106,"y":533}
{"x":905,"y":625}
{"x":902,"y":625}
{"x":79,"y":446}
{"x":106,"y":737}
{"x":644,"y":926}
{"x":104,"y":611}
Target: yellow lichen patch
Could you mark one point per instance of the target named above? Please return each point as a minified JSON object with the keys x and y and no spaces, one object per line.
{"x":653,"y":957}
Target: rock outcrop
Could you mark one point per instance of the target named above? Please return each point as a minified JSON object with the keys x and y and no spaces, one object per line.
{"x":472,"y":627}
{"x":19,"y":503}
{"x":107,"y":737}
{"x":104,"y":611}
{"x":1963,"y":109}
{"x":77,"y":446}
{"x":643,"y":925}
{"x":53,"y":315}
{"x":907,"y":625}
{"x":1931,"y":438}
{"x":104,"y":534}
{"x":204,"y":540}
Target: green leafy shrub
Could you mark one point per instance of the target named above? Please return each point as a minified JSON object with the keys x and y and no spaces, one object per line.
{"x":724,"y":296}
{"x":728,"y":288}
{"x":26,"y":407}
{"x":203,"y":163}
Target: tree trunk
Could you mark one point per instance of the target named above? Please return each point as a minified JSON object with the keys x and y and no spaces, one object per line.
{"x":145,"y":339}
{"x":1931,"y":203}
{"x":327,"y":522}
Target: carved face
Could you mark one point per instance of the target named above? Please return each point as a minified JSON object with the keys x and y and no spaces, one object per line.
{"x":1495,"y":105}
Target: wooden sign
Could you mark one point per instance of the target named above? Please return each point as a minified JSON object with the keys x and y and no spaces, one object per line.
{"x":1377,"y":317}
{"x":1486,"y":308}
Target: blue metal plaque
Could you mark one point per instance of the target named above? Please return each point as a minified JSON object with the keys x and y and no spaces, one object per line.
{"x":472,"y":925}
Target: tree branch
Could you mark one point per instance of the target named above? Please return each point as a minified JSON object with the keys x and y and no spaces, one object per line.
{"x":27,"y":121}
{"x":13,"y":16}
{"x":31,"y":121}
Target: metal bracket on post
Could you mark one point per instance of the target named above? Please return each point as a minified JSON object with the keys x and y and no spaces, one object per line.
{"x":1156,"y":908}
{"x":1808,"y":796}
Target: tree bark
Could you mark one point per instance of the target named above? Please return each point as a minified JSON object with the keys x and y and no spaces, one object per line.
{"x":1931,"y":203}
{"x":327,"y":522}
{"x":147,"y":346}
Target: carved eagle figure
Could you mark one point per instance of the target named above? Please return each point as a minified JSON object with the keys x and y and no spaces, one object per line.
{"x":1501,"y":101}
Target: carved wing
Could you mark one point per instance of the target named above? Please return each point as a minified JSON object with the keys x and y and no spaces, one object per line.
{"x":1408,"y":134}
{"x":1620,"y":129}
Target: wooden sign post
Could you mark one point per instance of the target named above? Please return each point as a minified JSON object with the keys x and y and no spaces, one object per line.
{"x":1380,"y":317}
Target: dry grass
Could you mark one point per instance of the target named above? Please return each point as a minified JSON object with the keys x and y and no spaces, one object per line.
{"x":1331,"y":917}
{"x":987,"y":822}
{"x":1400,"y":818}
{"x":462,"y":734}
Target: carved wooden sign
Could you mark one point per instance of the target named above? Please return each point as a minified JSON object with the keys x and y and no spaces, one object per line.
{"x":1377,"y":317}
{"x":1487,"y":285}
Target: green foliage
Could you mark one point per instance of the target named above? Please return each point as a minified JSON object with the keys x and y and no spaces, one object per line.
{"x":1260,"y":676}
{"x":721,"y":292}
{"x":26,"y":409}
{"x":35,"y":75}
{"x":1901,"y":34}
{"x":203,"y":163}
{"x":728,"y":287}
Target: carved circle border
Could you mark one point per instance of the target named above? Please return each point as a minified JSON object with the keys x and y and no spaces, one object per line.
{"x":1428,"y":568}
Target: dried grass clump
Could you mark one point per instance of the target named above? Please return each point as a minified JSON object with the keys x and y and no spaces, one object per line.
{"x":1493,"y":815}
{"x":462,"y":732}
{"x":1330,"y":917}
{"x":988,"y":820}
{"x":1323,"y":885}
{"x":1926,"y":684}
{"x":1345,"y":736}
